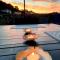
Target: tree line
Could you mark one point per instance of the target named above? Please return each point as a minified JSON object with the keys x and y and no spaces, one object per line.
{"x":19,"y":17}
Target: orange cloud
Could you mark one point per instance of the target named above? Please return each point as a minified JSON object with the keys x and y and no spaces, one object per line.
{"x":40,"y":9}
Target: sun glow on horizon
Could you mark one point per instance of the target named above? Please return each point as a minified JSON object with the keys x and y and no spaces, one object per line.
{"x":37,"y":7}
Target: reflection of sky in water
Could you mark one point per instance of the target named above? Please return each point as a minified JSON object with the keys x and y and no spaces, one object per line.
{"x":13,"y":34}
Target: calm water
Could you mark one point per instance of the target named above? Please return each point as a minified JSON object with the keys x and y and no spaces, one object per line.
{"x":11,"y":39}
{"x":13,"y":34}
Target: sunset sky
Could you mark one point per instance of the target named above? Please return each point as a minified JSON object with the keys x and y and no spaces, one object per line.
{"x":38,"y":6}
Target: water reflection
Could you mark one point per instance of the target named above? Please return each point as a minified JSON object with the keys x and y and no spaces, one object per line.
{"x":12,"y":34}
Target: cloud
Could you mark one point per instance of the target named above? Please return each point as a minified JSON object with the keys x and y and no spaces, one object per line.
{"x":39,"y":0}
{"x":7,"y":1}
{"x":50,"y":7}
{"x":47,"y":0}
{"x":54,"y":0}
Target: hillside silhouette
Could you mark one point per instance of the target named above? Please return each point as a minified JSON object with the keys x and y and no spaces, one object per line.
{"x":12,"y":15}
{"x":4,"y":6}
